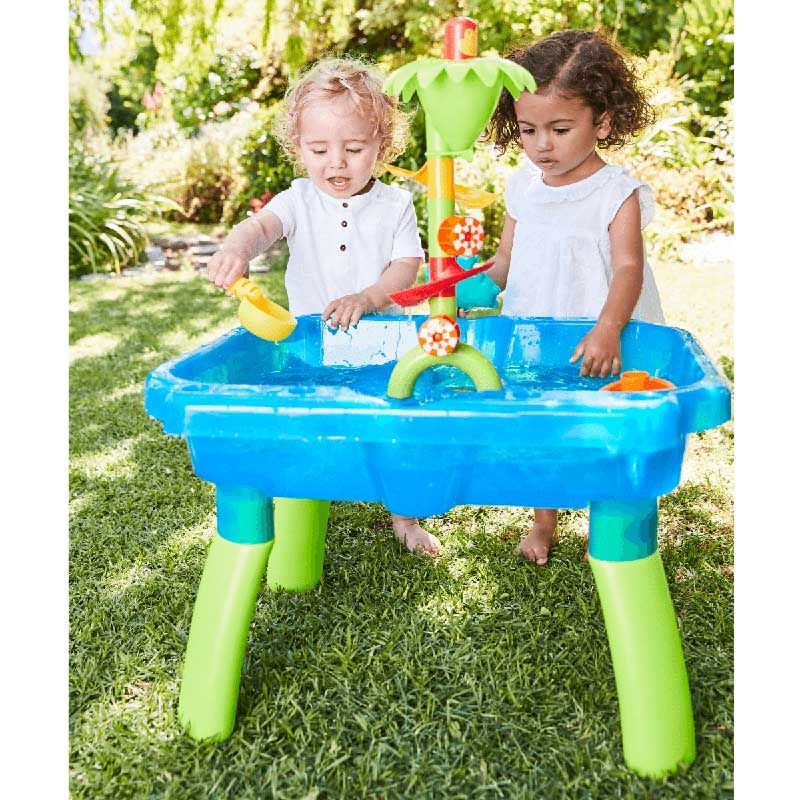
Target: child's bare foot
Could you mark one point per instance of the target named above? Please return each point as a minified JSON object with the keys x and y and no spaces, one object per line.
{"x":416,"y":539}
{"x":541,"y":537}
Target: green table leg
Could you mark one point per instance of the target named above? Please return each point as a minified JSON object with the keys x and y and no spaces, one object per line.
{"x":223,"y":612}
{"x":653,"y":688}
{"x":299,"y":552}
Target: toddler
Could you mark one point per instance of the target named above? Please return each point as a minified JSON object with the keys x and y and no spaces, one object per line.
{"x":352,"y":239}
{"x":572,"y":242}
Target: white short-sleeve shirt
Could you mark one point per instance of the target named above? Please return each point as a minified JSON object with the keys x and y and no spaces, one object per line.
{"x":341,"y":246}
{"x":561,"y":254}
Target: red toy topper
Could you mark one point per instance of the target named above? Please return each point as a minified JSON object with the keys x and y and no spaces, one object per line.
{"x":460,"y":38}
{"x":416,"y":294}
{"x":637,"y":381}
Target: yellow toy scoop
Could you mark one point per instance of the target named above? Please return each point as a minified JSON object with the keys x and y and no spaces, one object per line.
{"x":469,"y":198}
{"x":261,"y":316}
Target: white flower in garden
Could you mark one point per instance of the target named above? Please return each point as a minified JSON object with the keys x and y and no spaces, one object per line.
{"x":214,"y":79}
{"x":180,"y":83}
{"x":663,"y":97}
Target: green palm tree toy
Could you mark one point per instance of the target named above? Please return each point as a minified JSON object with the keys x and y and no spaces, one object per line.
{"x":458,"y":94}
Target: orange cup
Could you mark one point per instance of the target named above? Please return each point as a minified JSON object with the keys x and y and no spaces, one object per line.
{"x":638,"y":381}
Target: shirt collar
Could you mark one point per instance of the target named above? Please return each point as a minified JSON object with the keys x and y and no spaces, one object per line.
{"x":355,"y":201}
{"x":540,"y":192}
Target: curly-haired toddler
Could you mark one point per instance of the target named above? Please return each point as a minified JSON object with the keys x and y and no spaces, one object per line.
{"x":572,"y":238}
{"x":352,"y":239}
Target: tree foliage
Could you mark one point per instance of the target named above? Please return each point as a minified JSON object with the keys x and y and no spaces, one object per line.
{"x":214,"y":58}
{"x":188,"y":35}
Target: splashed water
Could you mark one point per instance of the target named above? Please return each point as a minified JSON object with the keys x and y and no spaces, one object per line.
{"x":435,"y":384}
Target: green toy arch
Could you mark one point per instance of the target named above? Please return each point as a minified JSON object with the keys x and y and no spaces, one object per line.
{"x":466,"y":358}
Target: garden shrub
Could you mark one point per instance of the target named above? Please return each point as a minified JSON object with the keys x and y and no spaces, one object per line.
{"x":88,"y":104}
{"x":106,"y":214}
{"x":129,"y":81}
{"x":207,"y":178}
{"x":200,"y":173}
{"x":691,"y":174}
{"x":229,"y":86}
{"x":686,"y":157}
{"x":262,"y":165}
{"x":704,"y":52}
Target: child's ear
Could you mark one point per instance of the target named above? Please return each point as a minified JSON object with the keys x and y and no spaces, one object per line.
{"x":603,"y":125}
{"x":298,"y":156}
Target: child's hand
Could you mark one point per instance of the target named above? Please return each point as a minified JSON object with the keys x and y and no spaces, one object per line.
{"x":601,"y":353}
{"x":224,"y":268}
{"x":347,"y":310}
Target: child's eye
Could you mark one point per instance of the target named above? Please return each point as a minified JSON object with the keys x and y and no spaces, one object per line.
{"x":528,"y":131}
{"x":353,"y":151}
{"x":319,"y":152}
{"x":561,"y":131}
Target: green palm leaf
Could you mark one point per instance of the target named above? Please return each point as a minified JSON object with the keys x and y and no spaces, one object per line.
{"x":458,"y":97}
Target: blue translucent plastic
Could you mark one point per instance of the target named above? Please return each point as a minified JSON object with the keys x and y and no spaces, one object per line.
{"x":309,"y":416}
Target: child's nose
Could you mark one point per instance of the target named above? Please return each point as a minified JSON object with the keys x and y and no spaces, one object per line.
{"x":338,"y":158}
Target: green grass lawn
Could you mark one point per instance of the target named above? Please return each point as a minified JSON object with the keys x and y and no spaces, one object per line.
{"x":471,"y":676}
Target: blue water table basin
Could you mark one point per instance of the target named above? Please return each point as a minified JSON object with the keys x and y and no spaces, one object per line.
{"x":283,"y":428}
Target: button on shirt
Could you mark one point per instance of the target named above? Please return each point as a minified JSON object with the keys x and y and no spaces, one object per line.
{"x":339,"y":247}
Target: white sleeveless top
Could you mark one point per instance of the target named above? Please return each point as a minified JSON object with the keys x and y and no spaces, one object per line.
{"x":561,"y":255}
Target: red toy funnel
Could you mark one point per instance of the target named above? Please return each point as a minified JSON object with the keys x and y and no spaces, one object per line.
{"x":416,"y":294}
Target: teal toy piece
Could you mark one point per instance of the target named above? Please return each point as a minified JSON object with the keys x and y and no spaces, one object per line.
{"x":479,"y":291}
{"x":623,"y":530}
{"x":244,"y":515}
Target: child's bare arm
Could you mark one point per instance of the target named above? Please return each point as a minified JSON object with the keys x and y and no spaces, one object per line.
{"x":348,"y":310}
{"x":600,"y":348}
{"x":249,"y":238}
{"x":482,"y":289}
{"x":502,"y":258}
{"x":400,"y":274}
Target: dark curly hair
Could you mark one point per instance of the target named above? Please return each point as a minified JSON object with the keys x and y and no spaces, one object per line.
{"x":583,"y":65}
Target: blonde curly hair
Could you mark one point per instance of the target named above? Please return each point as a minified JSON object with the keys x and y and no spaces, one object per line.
{"x":335,"y":77}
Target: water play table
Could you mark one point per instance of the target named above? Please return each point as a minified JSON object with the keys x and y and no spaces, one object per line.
{"x":307,"y":420}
